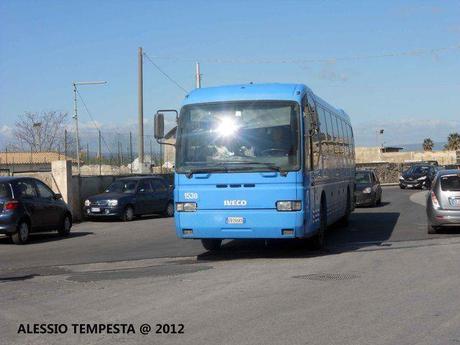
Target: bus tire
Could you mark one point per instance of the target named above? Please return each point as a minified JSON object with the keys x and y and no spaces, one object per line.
{"x":318,"y":241}
{"x":344,"y":220}
{"x":211,"y":244}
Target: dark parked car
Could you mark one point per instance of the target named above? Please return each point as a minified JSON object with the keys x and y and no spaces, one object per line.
{"x":443,"y":204}
{"x":368,"y":191}
{"x":132,"y":196}
{"x":28,"y":205}
{"x":418,"y":176}
{"x":452,"y":167}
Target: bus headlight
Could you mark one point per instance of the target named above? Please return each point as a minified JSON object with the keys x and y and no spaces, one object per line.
{"x":185,"y":206}
{"x":288,"y":205}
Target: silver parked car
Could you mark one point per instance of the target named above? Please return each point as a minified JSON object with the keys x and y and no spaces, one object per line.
{"x":443,"y":204}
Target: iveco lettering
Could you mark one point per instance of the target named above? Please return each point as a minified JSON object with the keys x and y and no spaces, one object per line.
{"x":235,"y":202}
{"x":268,"y":161}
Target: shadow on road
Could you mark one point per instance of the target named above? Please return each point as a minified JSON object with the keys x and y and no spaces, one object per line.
{"x":47,"y":237}
{"x":118,"y":220}
{"x":18,"y":278}
{"x":382,"y":204}
{"x":449,"y":230}
{"x":364,"y":229}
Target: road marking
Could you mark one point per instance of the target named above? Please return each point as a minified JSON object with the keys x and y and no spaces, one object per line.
{"x":419,"y":198}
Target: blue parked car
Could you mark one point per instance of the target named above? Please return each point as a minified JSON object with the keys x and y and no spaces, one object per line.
{"x":28,"y":205}
{"x":131,"y":197}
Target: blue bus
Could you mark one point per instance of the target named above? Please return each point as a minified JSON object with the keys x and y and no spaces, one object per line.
{"x":260,"y":161}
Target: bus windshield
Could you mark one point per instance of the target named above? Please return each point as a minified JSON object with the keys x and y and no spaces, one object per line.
{"x":238,"y":136}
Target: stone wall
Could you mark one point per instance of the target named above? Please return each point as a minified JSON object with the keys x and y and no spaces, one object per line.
{"x":373,"y":154}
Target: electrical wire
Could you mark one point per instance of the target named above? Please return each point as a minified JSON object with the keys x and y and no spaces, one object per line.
{"x":164,"y":73}
{"x":93,"y":121}
{"x":405,"y":53}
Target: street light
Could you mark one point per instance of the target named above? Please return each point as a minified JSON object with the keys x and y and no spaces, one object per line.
{"x":75,"y":116}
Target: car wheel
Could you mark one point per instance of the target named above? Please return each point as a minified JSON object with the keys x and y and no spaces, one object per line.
{"x":318,"y":241}
{"x":432,"y":229}
{"x":402,"y":186}
{"x":65,"y":227}
{"x":211,"y":244}
{"x":169,"y":211}
{"x":21,"y":236}
{"x":128,"y":214}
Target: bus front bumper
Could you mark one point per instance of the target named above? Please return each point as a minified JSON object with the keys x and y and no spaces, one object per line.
{"x":255,"y":224}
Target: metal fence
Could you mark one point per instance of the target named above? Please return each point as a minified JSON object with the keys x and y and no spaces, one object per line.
{"x":101,"y":153}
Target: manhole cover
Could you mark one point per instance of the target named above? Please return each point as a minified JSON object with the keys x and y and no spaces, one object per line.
{"x":328,"y":276}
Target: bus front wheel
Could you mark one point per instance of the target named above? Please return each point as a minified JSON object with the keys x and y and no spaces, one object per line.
{"x":318,"y":241}
{"x":211,"y":244}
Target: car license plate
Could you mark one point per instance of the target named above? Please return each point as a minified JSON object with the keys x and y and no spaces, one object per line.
{"x":235,"y":220}
{"x":455,"y":202}
{"x":95,"y":209}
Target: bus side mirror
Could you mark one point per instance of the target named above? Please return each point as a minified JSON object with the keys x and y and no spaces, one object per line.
{"x":159,"y":124}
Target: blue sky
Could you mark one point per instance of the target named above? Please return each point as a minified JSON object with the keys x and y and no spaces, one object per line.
{"x":45,"y":45}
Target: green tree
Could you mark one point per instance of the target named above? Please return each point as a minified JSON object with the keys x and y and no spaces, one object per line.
{"x":428,"y":144}
{"x":453,"y":142}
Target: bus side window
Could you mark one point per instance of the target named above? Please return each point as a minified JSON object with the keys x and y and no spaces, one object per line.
{"x":330,"y":130}
{"x":323,"y":130}
{"x":306,"y":133}
{"x":316,"y":150}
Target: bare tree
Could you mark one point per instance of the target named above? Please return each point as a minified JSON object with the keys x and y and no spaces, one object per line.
{"x":41,"y":131}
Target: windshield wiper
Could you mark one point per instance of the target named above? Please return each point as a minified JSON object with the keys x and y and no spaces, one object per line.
{"x":270,"y":166}
{"x":223,"y":167}
{"x":204,"y":170}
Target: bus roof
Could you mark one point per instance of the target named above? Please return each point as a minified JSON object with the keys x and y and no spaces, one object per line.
{"x":247,"y":92}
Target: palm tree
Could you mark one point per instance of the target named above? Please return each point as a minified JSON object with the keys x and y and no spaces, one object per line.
{"x":453,"y":142}
{"x":428,"y":144}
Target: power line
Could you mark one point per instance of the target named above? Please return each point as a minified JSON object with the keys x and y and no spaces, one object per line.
{"x":165,"y":74}
{"x":405,"y":53}
{"x":93,"y":121}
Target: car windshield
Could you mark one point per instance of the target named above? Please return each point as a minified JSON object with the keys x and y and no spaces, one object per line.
{"x":256,"y":135}
{"x":418,"y":169}
{"x":450,"y":183}
{"x":4,"y":190}
{"x":122,"y":187}
{"x":363,"y":177}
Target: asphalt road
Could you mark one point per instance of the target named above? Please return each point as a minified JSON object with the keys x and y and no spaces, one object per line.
{"x":381,"y":280}
{"x":401,"y":217}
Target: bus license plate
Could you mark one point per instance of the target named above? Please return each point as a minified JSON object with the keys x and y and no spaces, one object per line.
{"x":235,"y":220}
{"x":95,"y":209}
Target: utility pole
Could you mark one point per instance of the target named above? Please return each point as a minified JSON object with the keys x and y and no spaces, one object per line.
{"x":65,"y":143}
{"x":75,"y":115}
{"x":197,"y":75}
{"x":140,"y":90}
{"x":151,"y":152}
{"x":99,"y":151}
{"x":131,"y":151}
